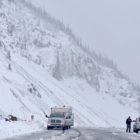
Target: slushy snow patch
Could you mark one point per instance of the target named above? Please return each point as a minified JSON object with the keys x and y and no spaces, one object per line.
{"x":10,"y":129}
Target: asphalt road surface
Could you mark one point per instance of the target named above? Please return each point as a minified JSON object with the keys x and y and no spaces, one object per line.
{"x":80,"y":134}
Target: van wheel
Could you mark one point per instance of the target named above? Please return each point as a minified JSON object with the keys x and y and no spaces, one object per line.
{"x":136,"y":131}
{"x":63,"y":128}
{"x":48,"y":128}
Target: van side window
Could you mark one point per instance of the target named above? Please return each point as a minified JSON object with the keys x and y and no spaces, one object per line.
{"x":68,"y":117}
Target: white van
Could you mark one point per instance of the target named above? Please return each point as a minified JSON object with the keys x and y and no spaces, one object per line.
{"x":136,"y":126}
{"x":60,"y":117}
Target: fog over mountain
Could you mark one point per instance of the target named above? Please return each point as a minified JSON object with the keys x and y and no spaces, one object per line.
{"x":110,"y":27}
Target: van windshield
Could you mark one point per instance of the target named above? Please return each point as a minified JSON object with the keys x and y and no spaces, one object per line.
{"x":57,"y":115}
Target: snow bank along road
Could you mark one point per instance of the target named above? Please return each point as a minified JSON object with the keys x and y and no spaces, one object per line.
{"x":80,"y":134}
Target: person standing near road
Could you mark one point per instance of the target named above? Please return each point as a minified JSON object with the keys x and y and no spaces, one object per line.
{"x":128,"y":124}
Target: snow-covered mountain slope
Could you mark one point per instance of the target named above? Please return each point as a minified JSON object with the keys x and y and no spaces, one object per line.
{"x":42,"y":65}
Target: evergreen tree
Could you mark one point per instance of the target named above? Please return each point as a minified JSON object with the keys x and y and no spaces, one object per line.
{"x":9,"y":67}
{"x":57,"y":71}
{"x":8,"y":55}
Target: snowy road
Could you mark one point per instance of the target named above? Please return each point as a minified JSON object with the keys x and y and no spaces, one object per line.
{"x":80,"y":134}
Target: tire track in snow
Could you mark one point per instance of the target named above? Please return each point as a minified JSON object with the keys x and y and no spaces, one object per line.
{"x":79,"y":134}
{"x":71,"y":134}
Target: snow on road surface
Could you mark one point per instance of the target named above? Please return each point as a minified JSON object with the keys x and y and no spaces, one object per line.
{"x":80,"y":134}
{"x":10,"y":129}
{"x":50,"y":67}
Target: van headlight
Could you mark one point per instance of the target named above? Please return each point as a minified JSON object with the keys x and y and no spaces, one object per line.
{"x":62,"y":122}
{"x":49,"y":122}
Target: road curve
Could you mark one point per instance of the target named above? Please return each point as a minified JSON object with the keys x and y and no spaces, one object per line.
{"x":37,"y":135}
{"x":80,"y":134}
{"x":106,"y":134}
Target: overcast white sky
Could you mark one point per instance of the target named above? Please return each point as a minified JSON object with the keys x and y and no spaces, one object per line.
{"x":111,"y":27}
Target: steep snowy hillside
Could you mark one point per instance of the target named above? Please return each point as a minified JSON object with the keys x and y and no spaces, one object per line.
{"x":42,"y":65}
